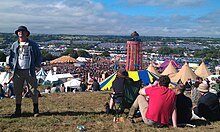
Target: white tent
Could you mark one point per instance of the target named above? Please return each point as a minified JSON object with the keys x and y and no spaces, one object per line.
{"x":4,"y":77}
{"x":83,"y":59}
{"x":64,"y":75}
{"x":73,"y":84}
{"x":41,"y":74}
{"x":50,"y":77}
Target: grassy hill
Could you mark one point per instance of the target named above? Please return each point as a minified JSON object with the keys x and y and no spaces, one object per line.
{"x":64,"y":111}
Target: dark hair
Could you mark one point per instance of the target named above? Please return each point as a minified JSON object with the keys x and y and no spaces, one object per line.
{"x":164,"y":81}
{"x":181,"y":88}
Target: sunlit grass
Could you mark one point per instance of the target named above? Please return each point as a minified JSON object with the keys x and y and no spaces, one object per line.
{"x":64,"y":111}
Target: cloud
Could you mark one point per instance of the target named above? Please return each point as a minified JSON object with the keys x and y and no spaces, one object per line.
{"x":168,"y":3}
{"x":91,"y":18}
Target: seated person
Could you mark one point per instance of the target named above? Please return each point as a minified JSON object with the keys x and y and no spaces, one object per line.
{"x":54,"y":89}
{"x":83,"y":86}
{"x":183,"y":105}
{"x":156,"y":104}
{"x":207,"y":106}
{"x":95,"y":85}
{"x":47,"y":90}
{"x":62,"y":88}
{"x":118,"y":89}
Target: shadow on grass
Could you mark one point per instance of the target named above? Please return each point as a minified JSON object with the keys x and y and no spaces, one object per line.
{"x":66,"y":113}
{"x":200,"y":122}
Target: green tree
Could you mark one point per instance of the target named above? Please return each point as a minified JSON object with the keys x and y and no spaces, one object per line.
{"x":165,"y":50}
{"x":70,"y":52}
{"x":46,"y":55}
{"x":83,"y":53}
{"x":105,"y":54}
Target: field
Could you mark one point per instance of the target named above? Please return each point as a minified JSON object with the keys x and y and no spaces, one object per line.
{"x":65,"y":111}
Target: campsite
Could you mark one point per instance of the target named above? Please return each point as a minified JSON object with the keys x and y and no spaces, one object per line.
{"x":65,"y":111}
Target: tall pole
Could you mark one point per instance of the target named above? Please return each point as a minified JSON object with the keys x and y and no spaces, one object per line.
{"x":134,"y":53}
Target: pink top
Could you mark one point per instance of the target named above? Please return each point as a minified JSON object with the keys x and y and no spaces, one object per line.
{"x":161,"y":103}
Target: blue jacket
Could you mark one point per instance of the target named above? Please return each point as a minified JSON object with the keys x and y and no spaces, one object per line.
{"x":35,"y":56}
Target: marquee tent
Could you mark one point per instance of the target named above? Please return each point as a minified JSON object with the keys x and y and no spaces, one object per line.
{"x":152,"y":69}
{"x":170,"y":70}
{"x":64,"y":59}
{"x":184,"y":74}
{"x":4,"y":77}
{"x":202,"y":71}
{"x":72,"y":84}
{"x":144,"y":75}
{"x":174,"y":63}
{"x":41,"y":74}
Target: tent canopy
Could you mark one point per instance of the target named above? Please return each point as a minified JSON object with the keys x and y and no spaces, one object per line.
{"x":64,"y":59}
{"x":152,"y":69}
{"x":184,"y":74}
{"x":144,"y":75}
{"x":72,"y":83}
{"x":170,"y":69}
{"x":202,"y":71}
{"x":41,"y":74}
{"x":174,"y":63}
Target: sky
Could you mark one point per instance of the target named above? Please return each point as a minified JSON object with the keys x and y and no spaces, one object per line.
{"x":169,"y":18}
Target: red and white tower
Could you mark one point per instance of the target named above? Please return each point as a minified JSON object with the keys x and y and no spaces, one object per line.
{"x":134,"y":53}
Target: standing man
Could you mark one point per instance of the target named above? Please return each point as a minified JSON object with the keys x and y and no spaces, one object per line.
{"x":157,"y":104}
{"x":25,"y":56}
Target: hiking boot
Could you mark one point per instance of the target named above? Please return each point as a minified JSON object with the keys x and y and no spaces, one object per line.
{"x":36,"y":110}
{"x":36,"y":114}
{"x":17,"y":112}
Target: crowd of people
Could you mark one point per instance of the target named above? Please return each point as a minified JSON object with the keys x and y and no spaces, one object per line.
{"x":157,"y":104}
{"x":161,"y":106}
{"x":96,"y":68}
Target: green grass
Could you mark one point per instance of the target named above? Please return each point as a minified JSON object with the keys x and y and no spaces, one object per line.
{"x":64,"y":111}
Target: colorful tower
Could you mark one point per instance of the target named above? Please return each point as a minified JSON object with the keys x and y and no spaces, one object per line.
{"x":134,"y":53}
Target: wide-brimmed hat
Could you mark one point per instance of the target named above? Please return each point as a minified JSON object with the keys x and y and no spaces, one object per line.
{"x":122,"y":72}
{"x":22,"y":28}
{"x":203,"y":87}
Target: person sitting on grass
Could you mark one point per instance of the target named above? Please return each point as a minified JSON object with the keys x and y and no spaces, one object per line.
{"x":95,"y":85}
{"x":157,"y":104}
{"x":183,"y":105}
{"x":207,"y":106}
{"x":118,"y":89}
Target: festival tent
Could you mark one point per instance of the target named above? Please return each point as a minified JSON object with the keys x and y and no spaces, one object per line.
{"x":174,"y":63}
{"x":50,"y":79}
{"x":202,"y":71}
{"x":4,"y":77}
{"x":64,"y":59}
{"x":144,"y":75}
{"x":170,"y":70}
{"x":152,"y":69}
{"x":83,"y":59}
{"x":73,"y":83}
{"x":41,"y":74}
{"x":184,"y":74}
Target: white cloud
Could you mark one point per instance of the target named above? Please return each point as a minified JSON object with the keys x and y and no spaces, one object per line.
{"x":88,"y":17}
{"x":168,"y":3}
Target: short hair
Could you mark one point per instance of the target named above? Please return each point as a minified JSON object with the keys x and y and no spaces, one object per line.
{"x":181,"y":87}
{"x":164,"y":80}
